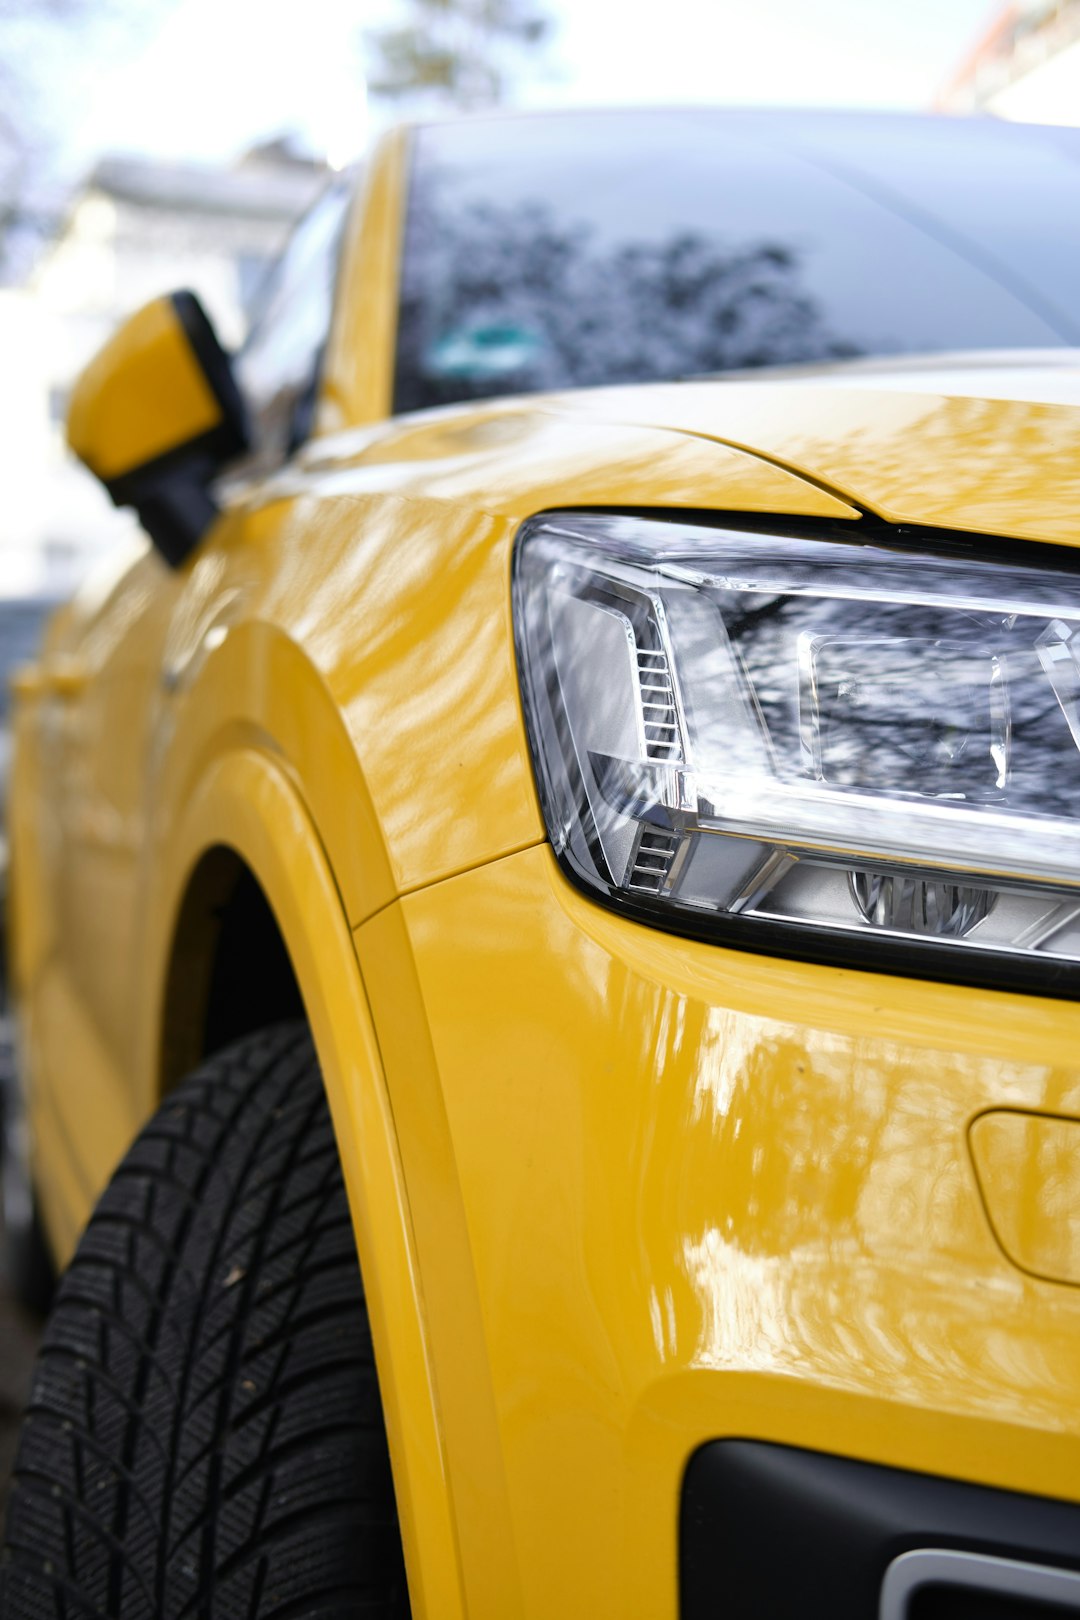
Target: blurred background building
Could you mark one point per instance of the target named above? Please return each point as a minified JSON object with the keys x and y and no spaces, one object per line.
{"x":1025,"y":66}
{"x":136,"y":227}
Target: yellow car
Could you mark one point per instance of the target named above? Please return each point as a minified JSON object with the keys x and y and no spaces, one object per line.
{"x":595,"y":855}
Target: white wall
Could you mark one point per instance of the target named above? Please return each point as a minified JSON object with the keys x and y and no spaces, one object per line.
{"x":1048,"y":93}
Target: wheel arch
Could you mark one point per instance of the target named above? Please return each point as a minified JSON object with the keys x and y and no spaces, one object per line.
{"x":244,"y":827}
{"x":228,"y":971}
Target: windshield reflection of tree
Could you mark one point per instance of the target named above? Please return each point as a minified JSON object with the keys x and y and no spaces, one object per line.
{"x":580,"y":313}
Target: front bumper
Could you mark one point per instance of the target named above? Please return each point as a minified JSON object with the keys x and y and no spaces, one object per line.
{"x":665,"y":1193}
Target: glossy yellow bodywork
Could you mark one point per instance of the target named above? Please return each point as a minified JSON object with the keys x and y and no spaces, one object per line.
{"x":358,"y":373}
{"x":663,"y":1191}
{"x":615,"y":1193}
{"x":143,"y":395}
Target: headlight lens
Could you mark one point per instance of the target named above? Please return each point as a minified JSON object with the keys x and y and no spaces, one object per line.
{"x":808,"y":745}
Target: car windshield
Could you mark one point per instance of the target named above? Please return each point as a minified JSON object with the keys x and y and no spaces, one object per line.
{"x":581,"y":249}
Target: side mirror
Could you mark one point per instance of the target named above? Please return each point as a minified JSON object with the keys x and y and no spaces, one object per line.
{"x":155,"y":415}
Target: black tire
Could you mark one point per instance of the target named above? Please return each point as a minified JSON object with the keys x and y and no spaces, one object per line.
{"x":204,"y":1436}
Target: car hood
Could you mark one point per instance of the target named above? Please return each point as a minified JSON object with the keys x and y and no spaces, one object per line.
{"x":988,"y":443}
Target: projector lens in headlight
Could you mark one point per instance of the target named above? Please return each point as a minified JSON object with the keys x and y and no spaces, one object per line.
{"x":768,"y":738}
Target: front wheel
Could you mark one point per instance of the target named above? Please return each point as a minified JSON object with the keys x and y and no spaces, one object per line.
{"x":204,"y":1437}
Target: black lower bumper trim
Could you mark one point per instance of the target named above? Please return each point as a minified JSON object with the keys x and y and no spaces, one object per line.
{"x":769,"y":1532}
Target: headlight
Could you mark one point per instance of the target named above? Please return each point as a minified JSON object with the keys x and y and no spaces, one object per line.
{"x":817,"y":747}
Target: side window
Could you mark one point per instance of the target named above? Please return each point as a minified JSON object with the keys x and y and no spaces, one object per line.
{"x":278,"y":366}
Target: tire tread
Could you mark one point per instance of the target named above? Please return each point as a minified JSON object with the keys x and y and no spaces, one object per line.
{"x":204,"y":1436}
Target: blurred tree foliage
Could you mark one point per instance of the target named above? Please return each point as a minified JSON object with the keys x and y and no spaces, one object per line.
{"x":50,"y":54}
{"x":460,"y":52}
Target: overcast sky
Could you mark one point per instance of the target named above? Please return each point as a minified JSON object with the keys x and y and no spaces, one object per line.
{"x":220,"y":74}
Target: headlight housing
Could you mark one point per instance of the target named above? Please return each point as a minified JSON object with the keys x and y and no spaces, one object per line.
{"x":812,"y":746}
